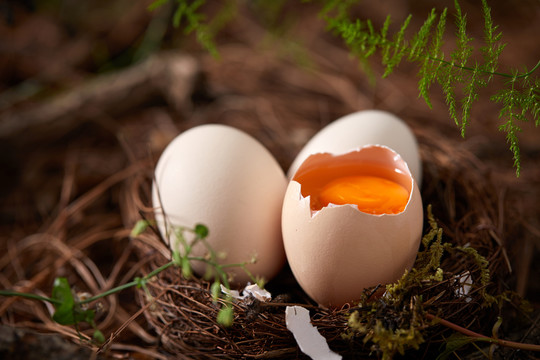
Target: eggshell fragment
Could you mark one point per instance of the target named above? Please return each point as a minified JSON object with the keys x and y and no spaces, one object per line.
{"x":308,"y":338}
{"x":367,"y":127}
{"x":336,"y":252}
{"x":223,"y":178}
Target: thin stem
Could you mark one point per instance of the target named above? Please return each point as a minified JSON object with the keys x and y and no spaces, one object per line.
{"x":468,"y":68}
{"x":110,"y":292}
{"x":480,"y":337}
{"x":30,"y":296}
{"x":158,"y":270}
{"x":219,"y":268}
{"x":129,"y":284}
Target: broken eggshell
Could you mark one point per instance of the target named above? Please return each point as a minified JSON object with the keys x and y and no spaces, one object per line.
{"x":338,"y":251}
{"x":362,"y":128}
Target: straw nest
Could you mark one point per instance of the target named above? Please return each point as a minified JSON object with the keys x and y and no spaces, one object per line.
{"x":467,"y":207}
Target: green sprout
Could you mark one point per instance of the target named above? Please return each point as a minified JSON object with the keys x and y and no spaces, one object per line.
{"x":70,"y":309}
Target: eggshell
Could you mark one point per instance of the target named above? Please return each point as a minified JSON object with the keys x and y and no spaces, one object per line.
{"x":336,"y":252}
{"x":362,"y":128}
{"x":223,"y":178}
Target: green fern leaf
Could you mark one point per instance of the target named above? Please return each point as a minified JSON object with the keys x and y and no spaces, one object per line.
{"x":424,"y":83}
{"x":437,"y":42}
{"x":372,"y":44}
{"x":492,"y":50}
{"x":515,"y":106}
{"x":470,"y":96}
{"x":446,"y":78}
{"x":511,"y":130}
{"x":421,"y":38}
{"x":399,"y":48}
{"x":534,"y":95}
{"x":339,"y":7}
{"x":455,"y":75}
{"x":189,"y":12}
{"x":432,"y":61}
{"x":463,"y":50}
{"x":386,"y":45}
{"x":384,"y":29}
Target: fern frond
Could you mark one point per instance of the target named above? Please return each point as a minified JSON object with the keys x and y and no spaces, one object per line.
{"x":470,"y":93}
{"x":463,"y":50}
{"x":437,"y":42}
{"x":339,"y":7}
{"x":188,"y":11}
{"x":534,"y":94}
{"x":385,"y":49}
{"x":446,"y":78}
{"x":511,"y":129}
{"x":516,"y":105}
{"x":384,"y":29}
{"x":399,"y":47}
{"x":372,"y":46}
{"x":433,"y":61}
{"x":426,"y":78}
{"x":492,"y":50}
{"x":421,"y":38}
{"x":459,"y":74}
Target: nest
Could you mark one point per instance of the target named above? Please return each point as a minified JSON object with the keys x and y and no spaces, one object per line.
{"x":467,"y":206}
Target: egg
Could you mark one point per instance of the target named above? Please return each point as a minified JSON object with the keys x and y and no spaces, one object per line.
{"x":351,"y":221}
{"x":223,"y":178}
{"x":364,"y":128}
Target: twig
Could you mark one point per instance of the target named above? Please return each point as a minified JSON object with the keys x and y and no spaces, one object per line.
{"x":480,"y":337}
{"x":170,"y":75}
{"x":126,"y":323}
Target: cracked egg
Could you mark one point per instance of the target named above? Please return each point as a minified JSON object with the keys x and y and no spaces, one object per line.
{"x":351,"y":221}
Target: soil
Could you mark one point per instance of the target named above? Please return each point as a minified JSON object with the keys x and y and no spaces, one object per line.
{"x":90,"y":89}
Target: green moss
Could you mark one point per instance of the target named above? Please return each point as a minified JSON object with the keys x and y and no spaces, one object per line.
{"x":396,"y":322}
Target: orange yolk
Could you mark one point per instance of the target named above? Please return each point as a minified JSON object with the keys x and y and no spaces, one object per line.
{"x":372,"y":194}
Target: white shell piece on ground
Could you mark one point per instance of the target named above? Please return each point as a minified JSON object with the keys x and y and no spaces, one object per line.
{"x":250,"y":290}
{"x":308,"y":338}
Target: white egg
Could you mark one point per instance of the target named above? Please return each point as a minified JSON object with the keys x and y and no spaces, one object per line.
{"x":337,"y":249}
{"x":223,"y":178}
{"x":364,"y":128}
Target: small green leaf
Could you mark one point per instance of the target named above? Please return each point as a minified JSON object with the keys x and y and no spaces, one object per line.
{"x":139,"y":227}
{"x":68,"y":311}
{"x":201,"y":231}
{"x":98,"y":337}
{"x":176,"y":258}
{"x":216,"y":290}
{"x":186,"y":268}
{"x":64,"y":311}
{"x":139,"y":281}
{"x":225,"y":316}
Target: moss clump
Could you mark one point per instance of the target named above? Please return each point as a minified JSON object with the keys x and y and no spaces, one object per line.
{"x":396,"y":321}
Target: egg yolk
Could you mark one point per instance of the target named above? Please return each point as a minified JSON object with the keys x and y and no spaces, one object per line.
{"x":372,"y":194}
